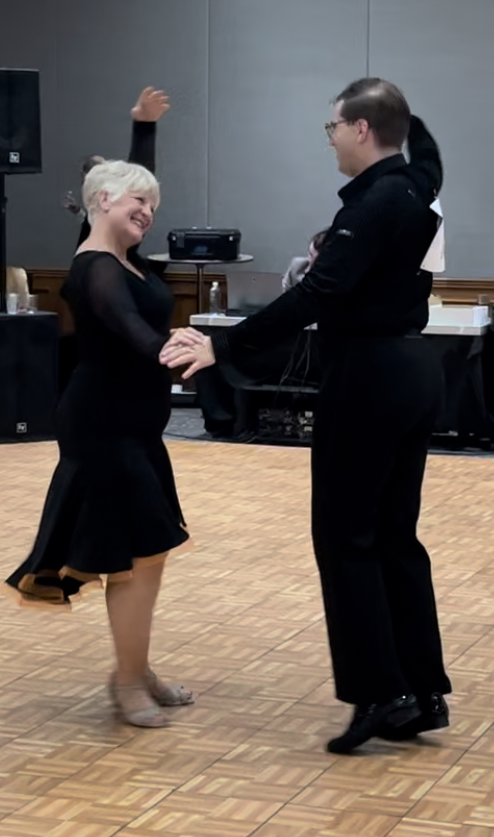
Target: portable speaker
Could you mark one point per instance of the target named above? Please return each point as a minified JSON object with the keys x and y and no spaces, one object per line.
{"x":20,"y":122}
{"x":28,"y":376}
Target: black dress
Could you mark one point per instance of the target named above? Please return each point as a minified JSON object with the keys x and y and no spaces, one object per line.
{"x":112,"y":499}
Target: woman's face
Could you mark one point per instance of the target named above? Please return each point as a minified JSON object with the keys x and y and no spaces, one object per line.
{"x":131,"y":216}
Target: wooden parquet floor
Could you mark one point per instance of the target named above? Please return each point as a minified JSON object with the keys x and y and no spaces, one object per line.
{"x":240,"y":620}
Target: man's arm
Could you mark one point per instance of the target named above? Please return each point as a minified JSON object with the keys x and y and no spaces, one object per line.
{"x":350,"y":248}
{"x":425,"y":158}
{"x":150,"y":107}
{"x":345,"y":258}
{"x":143,"y":145}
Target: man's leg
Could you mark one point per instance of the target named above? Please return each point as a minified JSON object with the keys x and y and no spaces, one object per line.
{"x":377,"y":394}
{"x":406,"y":571}
{"x":349,"y":474}
{"x":407,"y":577}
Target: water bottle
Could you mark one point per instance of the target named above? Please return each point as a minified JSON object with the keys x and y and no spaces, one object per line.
{"x":215,"y":299}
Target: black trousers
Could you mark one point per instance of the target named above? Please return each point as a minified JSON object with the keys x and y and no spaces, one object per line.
{"x":376,"y":411}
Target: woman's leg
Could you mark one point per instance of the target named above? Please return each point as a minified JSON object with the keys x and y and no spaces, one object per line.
{"x":130,"y":606}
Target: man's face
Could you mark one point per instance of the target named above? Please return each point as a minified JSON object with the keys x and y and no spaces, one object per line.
{"x":346,"y":140}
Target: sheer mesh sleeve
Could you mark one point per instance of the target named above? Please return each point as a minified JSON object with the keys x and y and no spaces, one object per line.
{"x":106,"y":290}
{"x":143,"y":145}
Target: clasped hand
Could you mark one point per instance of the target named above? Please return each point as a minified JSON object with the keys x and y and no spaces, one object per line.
{"x":187,"y":347}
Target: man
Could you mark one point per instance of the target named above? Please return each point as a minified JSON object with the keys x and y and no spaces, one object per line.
{"x":379,"y":397}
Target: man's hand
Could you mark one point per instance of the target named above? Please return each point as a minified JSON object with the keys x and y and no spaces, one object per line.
{"x":151,"y":105}
{"x":184,"y":348}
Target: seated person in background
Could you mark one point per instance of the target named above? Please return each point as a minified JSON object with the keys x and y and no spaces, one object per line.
{"x":299,"y":266}
{"x":17,"y":281}
{"x":295,"y":361}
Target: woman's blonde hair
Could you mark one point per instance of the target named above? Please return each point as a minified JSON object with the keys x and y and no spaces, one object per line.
{"x":116,"y":177}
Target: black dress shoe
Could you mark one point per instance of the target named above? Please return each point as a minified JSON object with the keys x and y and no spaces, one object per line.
{"x":368,"y":720}
{"x":434,"y":714}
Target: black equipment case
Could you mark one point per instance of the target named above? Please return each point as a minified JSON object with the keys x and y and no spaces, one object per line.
{"x":204,"y":243}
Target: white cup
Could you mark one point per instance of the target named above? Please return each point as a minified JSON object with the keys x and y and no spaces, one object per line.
{"x":12,"y":303}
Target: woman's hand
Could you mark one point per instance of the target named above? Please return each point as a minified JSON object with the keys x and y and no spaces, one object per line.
{"x":185,"y":348}
{"x":151,"y":105}
{"x":185,"y":337}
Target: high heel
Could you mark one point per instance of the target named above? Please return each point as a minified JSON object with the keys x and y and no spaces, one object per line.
{"x":166,"y":695}
{"x":128,"y":700}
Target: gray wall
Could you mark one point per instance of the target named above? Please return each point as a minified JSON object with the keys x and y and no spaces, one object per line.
{"x":441,"y":53}
{"x":250,"y":82}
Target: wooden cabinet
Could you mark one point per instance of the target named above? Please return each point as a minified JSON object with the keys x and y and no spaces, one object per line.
{"x":464,"y":291}
{"x":47,"y":284}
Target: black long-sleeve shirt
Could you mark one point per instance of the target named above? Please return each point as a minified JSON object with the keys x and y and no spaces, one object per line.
{"x":142,"y":151}
{"x":367,"y":279}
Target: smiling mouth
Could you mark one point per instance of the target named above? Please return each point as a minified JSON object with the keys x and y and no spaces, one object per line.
{"x":142,"y":225}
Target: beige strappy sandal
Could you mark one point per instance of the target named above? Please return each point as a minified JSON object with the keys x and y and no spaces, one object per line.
{"x":128,"y":701}
{"x":167,"y":695}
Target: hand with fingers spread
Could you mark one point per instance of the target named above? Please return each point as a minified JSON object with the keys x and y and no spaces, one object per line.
{"x":185,"y":349}
{"x":150,"y":106}
{"x":185,"y":337}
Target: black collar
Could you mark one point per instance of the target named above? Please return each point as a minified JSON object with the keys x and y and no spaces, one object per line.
{"x":370,"y":175}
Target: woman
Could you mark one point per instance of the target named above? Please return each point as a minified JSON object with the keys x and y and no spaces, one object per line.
{"x":112,"y":507}
{"x":148,"y":110}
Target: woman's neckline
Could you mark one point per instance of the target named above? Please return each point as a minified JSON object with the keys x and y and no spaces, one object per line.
{"x":109,"y":253}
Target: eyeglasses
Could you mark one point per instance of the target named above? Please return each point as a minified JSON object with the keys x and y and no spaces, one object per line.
{"x":330,"y":127}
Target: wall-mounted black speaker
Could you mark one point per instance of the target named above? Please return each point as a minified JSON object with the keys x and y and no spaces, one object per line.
{"x":20,"y":122}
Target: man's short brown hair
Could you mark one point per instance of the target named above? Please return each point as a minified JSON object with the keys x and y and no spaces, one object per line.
{"x":382,"y":105}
